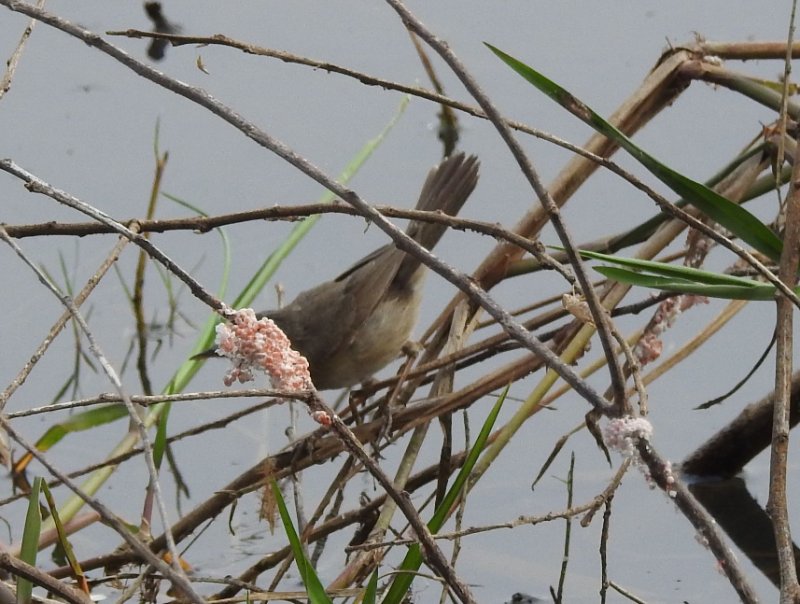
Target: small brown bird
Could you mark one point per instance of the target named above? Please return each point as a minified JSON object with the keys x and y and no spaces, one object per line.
{"x":353,"y":326}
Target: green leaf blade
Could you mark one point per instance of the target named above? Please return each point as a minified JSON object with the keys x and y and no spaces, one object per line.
{"x":732,"y":216}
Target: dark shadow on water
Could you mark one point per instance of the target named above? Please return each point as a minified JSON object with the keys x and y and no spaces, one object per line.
{"x":743,"y":519}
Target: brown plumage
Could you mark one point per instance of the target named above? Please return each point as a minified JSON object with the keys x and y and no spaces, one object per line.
{"x":353,"y":326}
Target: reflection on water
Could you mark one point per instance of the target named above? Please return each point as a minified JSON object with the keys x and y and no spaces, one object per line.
{"x":744,"y":520}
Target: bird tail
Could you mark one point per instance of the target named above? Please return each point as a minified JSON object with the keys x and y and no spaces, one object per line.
{"x":446,"y":188}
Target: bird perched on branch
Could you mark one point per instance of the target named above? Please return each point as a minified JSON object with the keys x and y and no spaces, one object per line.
{"x":351,"y":327}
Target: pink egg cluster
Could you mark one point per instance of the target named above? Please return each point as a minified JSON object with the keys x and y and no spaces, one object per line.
{"x":259,"y":344}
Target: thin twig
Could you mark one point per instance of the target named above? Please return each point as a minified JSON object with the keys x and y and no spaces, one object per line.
{"x":477,"y":294}
{"x":22,"y":569}
{"x":137,"y":301}
{"x":204,"y":224}
{"x":61,"y":322}
{"x":600,"y":317}
{"x":433,"y":554}
{"x":179,"y":579}
{"x":660,"y":470}
{"x":13,"y":61}
{"x":604,"y":551}
{"x":37,"y":185}
{"x":777,"y":504}
{"x":562,"y":576}
{"x":112,"y":376}
{"x":627,"y":594}
{"x":156,"y":399}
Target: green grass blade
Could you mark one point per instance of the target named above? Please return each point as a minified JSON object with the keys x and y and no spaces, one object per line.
{"x":758,"y":292}
{"x":79,"y":422}
{"x":413,"y":558}
{"x":63,"y":540}
{"x":728,"y":214}
{"x":681,"y":279}
{"x":457,"y":488}
{"x":30,"y":541}
{"x":188,"y":369}
{"x":76,"y":423}
{"x":314,"y":587}
{"x":160,"y":441}
{"x":671,"y":270}
{"x":761,"y":186}
{"x":371,"y":591}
